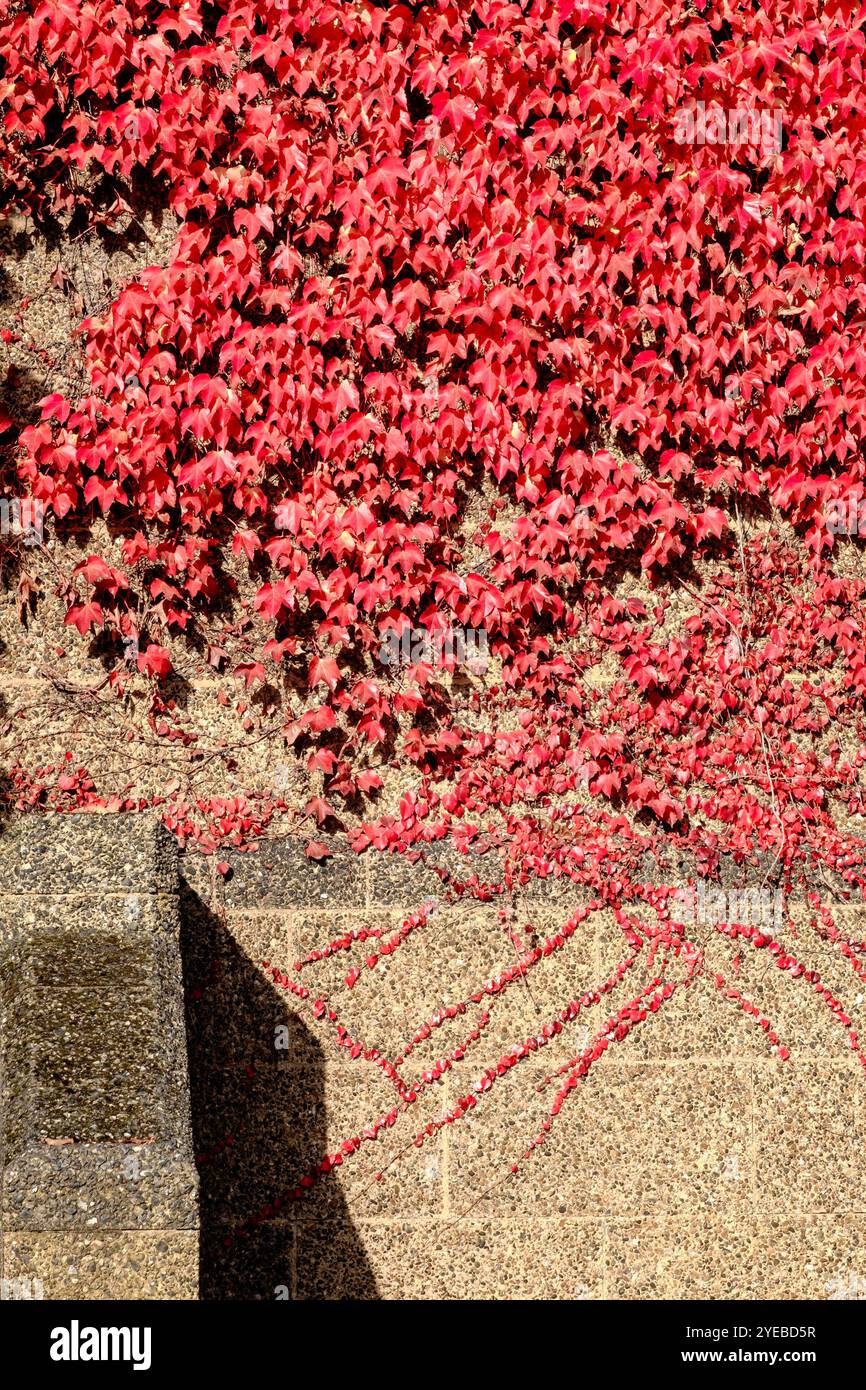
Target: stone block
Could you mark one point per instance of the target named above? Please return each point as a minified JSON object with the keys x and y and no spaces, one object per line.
{"x":96,"y":1116}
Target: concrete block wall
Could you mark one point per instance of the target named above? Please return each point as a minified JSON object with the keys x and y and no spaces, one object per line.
{"x":693,"y":1162}
{"x":99,"y":1186}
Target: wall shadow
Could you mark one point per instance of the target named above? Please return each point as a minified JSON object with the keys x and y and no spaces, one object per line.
{"x":258,"y":1119}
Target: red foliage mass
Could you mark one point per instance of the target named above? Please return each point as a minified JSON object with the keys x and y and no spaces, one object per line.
{"x":426,"y":249}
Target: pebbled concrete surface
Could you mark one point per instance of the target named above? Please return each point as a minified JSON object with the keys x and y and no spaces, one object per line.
{"x":97,"y":1151}
{"x":691,"y":1163}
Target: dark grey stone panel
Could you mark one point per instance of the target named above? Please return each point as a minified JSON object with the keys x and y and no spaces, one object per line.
{"x":95,"y":1111}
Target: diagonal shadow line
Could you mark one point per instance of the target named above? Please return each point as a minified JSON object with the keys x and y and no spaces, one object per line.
{"x":257,"y":1135}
